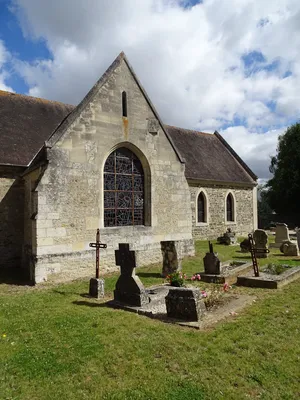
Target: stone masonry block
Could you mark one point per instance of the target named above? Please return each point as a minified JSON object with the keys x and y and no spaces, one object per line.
{"x":92,"y":223}
{"x":56,"y":232}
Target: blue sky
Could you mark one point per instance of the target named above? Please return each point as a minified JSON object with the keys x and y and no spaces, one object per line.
{"x":239,"y":63}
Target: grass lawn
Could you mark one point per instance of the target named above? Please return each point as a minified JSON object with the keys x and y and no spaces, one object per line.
{"x":57,"y":344}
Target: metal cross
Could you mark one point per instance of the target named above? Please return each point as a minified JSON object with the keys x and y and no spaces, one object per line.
{"x":98,"y":245}
{"x":253,"y":252}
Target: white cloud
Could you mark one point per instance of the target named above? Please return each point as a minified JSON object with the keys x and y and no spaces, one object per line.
{"x":189,"y":60}
{"x":254,"y":148}
{"x":4,"y":57}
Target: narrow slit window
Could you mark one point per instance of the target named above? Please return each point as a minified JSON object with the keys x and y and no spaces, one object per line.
{"x":124,"y":104}
{"x":230,"y":208}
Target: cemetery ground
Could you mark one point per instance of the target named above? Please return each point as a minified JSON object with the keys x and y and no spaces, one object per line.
{"x":57,"y":344}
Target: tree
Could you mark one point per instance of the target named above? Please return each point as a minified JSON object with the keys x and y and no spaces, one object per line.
{"x":265,"y":213}
{"x":283,"y":190}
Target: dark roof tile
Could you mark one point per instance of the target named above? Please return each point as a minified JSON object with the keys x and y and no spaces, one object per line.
{"x":207,"y":158}
{"x":25,"y":124}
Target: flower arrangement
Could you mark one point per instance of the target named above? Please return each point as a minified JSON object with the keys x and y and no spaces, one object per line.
{"x":196,"y":277}
{"x":176,"y":279}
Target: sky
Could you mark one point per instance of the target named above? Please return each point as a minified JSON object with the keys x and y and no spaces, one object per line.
{"x":226,"y":65}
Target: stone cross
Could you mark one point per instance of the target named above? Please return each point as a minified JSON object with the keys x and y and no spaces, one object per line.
{"x":125,"y":258}
{"x":129,"y":289}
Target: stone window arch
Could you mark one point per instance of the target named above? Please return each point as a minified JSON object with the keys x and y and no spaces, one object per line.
{"x":230,"y":206}
{"x":201,"y":207}
{"x":126,"y":189}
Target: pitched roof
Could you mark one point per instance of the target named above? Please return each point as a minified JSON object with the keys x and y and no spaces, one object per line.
{"x":209,"y":157}
{"x":25,"y":124}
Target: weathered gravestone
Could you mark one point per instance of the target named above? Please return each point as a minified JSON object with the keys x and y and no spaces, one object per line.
{"x":211,"y":262}
{"x":298,"y":237}
{"x":185,"y":304}
{"x":171,"y":257}
{"x":245,"y":246}
{"x":129,"y":289}
{"x":289,"y":248}
{"x":227,"y":238}
{"x":260,"y":238}
{"x":281,"y":234}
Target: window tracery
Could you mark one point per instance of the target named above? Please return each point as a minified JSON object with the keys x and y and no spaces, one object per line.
{"x":123,"y":189}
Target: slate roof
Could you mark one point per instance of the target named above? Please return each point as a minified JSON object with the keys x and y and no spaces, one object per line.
{"x":25,"y":124}
{"x":209,"y":157}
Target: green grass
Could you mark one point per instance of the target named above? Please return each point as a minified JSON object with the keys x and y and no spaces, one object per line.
{"x":62,"y":345}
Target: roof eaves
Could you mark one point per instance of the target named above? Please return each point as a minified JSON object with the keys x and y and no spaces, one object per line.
{"x":221,"y":183}
{"x":236,"y":156}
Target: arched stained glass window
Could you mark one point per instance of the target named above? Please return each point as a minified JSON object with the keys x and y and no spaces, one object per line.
{"x":123,"y":189}
{"x":230,"y":208}
{"x":201,"y":204}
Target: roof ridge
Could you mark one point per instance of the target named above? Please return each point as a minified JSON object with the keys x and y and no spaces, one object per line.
{"x":189,"y":130}
{"x":34,"y":98}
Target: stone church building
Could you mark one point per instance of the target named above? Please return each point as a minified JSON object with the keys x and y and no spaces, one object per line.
{"x":111,"y":163}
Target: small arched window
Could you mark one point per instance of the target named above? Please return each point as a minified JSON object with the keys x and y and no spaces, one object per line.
{"x":201,"y":208}
{"x":124,"y":104}
{"x":230,"y":208}
{"x":123,"y":189}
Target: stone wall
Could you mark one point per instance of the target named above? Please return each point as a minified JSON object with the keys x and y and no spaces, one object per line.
{"x":11,"y":218}
{"x":70,"y":192}
{"x":245,"y":209}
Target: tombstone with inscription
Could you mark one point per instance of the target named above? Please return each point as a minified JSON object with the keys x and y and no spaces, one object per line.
{"x":129,"y":289}
{"x":260,"y":238}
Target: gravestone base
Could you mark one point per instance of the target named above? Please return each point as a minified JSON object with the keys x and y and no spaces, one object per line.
{"x":96,"y":288}
{"x":131,"y":299}
{"x":185,"y":304}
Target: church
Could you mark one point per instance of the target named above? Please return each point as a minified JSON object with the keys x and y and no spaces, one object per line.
{"x":111,"y":163}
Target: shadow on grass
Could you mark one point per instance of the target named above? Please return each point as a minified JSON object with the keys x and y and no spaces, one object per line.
{"x":243,"y":257}
{"x":149,"y":275}
{"x":15,"y":276}
{"x":89,"y":304}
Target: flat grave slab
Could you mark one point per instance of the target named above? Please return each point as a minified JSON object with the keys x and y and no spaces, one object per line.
{"x":228,"y":273}
{"x":269,"y":281}
{"x":156,"y":308}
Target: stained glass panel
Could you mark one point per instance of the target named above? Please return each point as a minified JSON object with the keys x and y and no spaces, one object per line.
{"x":124,"y":200}
{"x":137,"y":167}
{"x":110,"y":217}
{"x":124,"y":217}
{"x":138,"y":200}
{"x":109,"y":181}
{"x":138,"y":183}
{"x":123,"y":189}
{"x":124,"y":182}
{"x":110,"y":163}
{"x":109,"y":199}
{"x":138,"y":217}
